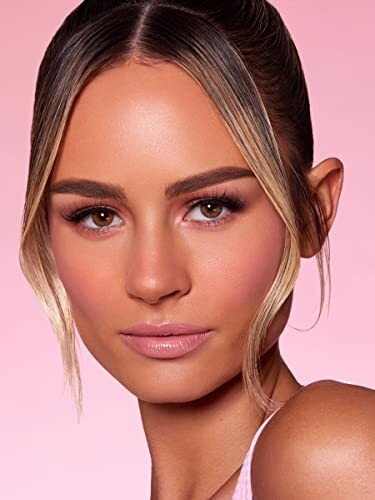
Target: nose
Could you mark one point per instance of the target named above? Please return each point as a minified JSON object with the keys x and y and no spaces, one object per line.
{"x":156,"y":268}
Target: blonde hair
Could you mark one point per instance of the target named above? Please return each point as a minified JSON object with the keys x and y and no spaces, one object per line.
{"x":242,"y":55}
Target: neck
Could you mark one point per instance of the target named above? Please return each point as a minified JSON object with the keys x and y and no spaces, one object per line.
{"x":187,"y":440}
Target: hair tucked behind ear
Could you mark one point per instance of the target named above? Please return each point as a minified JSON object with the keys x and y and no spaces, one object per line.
{"x":242,"y":55}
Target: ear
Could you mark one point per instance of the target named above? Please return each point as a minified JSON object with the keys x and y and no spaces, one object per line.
{"x":326,"y":180}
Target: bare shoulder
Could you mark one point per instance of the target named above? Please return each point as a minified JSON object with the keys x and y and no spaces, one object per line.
{"x":319,"y":445}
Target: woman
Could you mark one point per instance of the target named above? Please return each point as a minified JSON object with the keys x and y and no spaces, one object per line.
{"x":171,"y":196}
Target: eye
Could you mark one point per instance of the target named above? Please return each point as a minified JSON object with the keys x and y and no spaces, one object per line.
{"x":213,"y":207}
{"x":100,"y":219}
{"x":97,"y":219}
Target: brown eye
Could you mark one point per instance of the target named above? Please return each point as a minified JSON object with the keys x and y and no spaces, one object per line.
{"x":95,"y":218}
{"x":211,"y":208}
{"x":102,"y":217}
{"x":216,"y":208}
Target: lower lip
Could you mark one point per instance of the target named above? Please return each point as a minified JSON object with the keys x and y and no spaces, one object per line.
{"x":165,"y":347}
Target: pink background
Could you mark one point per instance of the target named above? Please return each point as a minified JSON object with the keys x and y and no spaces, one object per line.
{"x":45,"y":454}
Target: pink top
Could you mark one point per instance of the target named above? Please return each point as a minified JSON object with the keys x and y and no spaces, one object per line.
{"x":243,"y":489}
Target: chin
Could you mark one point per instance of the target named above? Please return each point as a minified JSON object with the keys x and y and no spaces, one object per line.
{"x":158,"y":390}
{"x":183,"y":389}
{"x":175,"y":394}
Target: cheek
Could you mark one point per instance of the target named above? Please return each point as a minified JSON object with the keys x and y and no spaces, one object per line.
{"x":246,"y":267}
{"x":83,"y":272}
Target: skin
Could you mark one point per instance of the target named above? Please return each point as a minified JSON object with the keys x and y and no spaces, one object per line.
{"x":159,"y":262}
{"x":325,"y":434}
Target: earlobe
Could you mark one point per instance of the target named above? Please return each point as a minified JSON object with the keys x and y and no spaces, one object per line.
{"x":326,"y":180}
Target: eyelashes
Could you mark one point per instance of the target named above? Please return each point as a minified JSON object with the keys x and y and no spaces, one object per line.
{"x":93,"y":211}
{"x":101,"y":213}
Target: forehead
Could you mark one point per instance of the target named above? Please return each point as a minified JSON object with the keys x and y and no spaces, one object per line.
{"x":145,"y":117}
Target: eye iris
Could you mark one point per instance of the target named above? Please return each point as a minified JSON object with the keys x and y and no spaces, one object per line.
{"x":100,"y":216}
{"x":211,"y":212}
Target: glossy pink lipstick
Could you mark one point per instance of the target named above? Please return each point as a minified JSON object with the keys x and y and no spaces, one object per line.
{"x":166,"y":340}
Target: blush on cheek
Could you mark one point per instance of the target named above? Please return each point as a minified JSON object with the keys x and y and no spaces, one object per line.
{"x":80,"y":285}
{"x":79,"y":273}
{"x":242,"y":282}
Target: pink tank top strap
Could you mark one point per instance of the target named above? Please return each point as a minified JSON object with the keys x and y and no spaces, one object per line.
{"x":243,"y":490}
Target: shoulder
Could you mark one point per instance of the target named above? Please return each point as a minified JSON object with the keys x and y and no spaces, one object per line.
{"x":320,"y":444}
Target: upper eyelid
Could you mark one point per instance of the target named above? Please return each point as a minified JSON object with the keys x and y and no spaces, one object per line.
{"x":87,"y":210}
{"x":189,"y":198}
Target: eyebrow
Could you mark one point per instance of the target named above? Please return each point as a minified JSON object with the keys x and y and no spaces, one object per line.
{"x":96,"y":189}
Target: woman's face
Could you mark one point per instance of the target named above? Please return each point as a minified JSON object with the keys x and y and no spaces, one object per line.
{"x":152,"y":258}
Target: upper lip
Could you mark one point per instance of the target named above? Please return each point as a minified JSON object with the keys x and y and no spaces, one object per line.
{"x":149,"y":329}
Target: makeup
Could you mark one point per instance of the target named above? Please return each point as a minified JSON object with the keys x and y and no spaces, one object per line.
{"x":165,"y":346}
{"x":83,"y":215}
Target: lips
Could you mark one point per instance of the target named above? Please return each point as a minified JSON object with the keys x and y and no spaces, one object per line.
{"x":165,"y":341}
{"x":164,"y":329}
